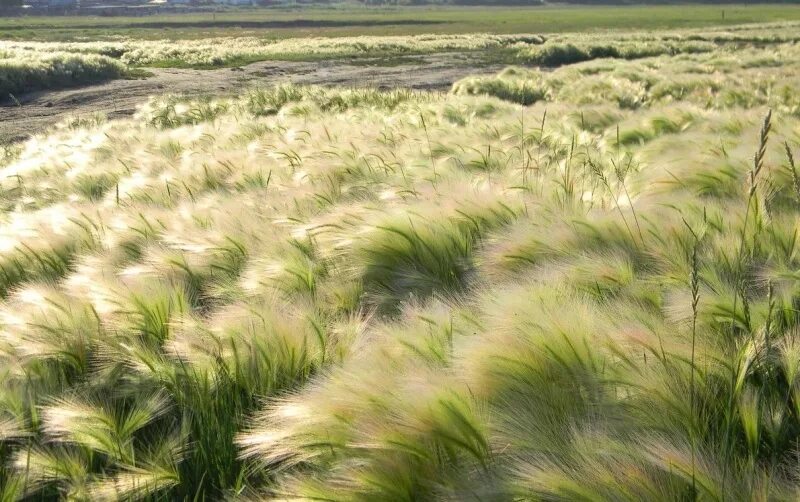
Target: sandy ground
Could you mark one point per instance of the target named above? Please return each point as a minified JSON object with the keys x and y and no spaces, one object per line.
{"x":119,"y":98}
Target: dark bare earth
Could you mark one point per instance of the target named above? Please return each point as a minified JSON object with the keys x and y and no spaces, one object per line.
{"x":119,"y":98}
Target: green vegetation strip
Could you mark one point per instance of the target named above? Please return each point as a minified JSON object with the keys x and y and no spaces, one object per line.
{"x":337,"y":22}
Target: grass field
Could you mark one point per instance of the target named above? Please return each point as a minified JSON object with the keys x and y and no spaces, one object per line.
{"x":281,"y":23}
{"x":566,"y":283}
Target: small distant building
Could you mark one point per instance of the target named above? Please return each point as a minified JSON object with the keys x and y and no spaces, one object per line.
{"x":60,"y":4}
{"x":235,"y":2}
{"x":38,"y":7}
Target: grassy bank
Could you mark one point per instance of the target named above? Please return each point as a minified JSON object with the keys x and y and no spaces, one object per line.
{"x":24,"y":71}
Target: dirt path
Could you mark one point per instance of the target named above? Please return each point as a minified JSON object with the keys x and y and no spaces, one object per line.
{"x":119,"y":98}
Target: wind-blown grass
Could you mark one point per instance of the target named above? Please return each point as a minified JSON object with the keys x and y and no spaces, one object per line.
{"x":747,"y":78}
{"x":522,"y":48}
{"x":219,"y":51}
{"x":355,"y":295}
{"x":716,"y":80}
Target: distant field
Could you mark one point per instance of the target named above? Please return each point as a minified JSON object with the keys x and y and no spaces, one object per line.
{"x":283,"y":23}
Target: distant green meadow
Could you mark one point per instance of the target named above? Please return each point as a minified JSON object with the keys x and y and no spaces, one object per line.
{"x":353,"y":21}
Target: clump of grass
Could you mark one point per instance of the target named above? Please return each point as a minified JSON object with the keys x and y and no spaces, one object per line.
{"x":26,"y":70}
{"x":522,"y":91}
{"x":554,"y":53}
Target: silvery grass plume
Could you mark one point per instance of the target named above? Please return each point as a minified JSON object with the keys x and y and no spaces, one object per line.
{"x":357,"y":295}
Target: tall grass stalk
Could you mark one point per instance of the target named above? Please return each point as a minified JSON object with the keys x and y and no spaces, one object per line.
{"x":598,"y":172}
{"x":430,"y":147}
{"x":739,"y":290}
{"x":792,"y":170}
{"x":694,"y":282}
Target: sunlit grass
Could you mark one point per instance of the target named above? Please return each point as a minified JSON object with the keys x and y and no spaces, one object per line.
{"x":585,"y":289}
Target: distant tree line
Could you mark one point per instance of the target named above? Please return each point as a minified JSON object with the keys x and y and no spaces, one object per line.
{"x":574,"y":2}
{"x":451,"y":2}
